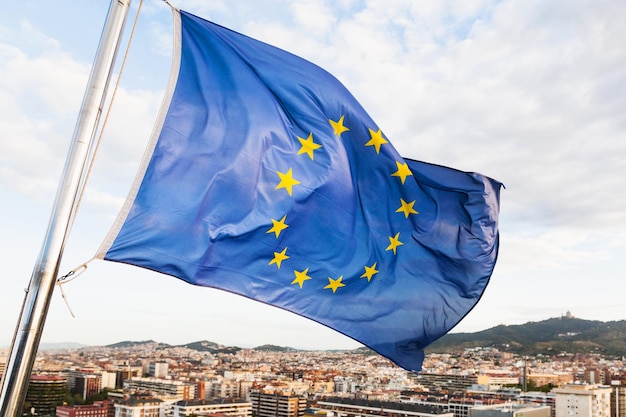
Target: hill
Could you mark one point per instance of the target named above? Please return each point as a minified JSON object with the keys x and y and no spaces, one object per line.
{"x":274,"y":348}
{"x":212,"y":347}
{"x":548,"y":337}
{"x":127,"y":344}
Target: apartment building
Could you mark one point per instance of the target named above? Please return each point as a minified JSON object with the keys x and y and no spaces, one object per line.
{"x":201,"y":408}
{"x":354,"y":407}
{"x":580,"y":400}
{"x":277,"y":404}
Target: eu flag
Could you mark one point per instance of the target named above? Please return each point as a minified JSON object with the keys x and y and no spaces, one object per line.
{"x":266,"y":178}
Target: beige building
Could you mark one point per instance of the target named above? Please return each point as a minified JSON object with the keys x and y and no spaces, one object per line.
{"x":162,"y":388}
{"x":578,"y":400}
{"x":208,"y":408}
{"x":510,"y":410}
{"x":353,"y":407}
{"x":277,"y":404}
{"x":618,"y":400}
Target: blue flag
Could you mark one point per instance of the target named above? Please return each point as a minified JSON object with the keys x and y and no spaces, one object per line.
{"x":266,"y":178}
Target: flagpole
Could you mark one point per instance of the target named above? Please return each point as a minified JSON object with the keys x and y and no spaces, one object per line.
{"x":39,"y":293}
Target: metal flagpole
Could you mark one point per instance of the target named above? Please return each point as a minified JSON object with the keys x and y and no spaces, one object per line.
{"x":39,"y":293}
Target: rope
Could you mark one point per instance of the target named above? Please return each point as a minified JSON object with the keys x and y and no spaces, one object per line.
{"x":170,"y":4}
{"x":108,"y":112}
{"x":74,"y":273}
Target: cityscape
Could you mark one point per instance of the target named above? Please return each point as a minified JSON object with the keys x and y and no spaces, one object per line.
{"x":152,"y":379}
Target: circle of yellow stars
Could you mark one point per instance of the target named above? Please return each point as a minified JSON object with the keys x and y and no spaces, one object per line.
{"x":286,"y":181}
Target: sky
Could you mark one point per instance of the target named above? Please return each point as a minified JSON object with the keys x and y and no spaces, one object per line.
{"x":528,"y":92}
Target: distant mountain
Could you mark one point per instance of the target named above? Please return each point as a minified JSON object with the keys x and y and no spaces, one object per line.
{"x":548,"y":337}
{"x":127,"y":344}
{"x":212,"y":347}
{"x":274,"y":348}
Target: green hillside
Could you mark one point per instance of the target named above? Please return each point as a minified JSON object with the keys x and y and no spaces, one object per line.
{"x":552,"y":336}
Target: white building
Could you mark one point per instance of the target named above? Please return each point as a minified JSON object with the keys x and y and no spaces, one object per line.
{"x":141,"y":408}
{"x":510,"y":410}
{"x":107,"y":380}
{"x":578,"y":400}
{"x":158,"y":369}
{"x":204,"y":408}
{"x":162,"y":388}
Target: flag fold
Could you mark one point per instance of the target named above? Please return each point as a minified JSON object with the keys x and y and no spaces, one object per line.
{"x":266,"y":178}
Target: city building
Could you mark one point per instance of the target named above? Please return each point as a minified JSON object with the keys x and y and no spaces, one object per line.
{"x":122,"y":375}
{"x":582,"y":400}
{"x":107,"y":380}
{"x":228,"y":388}
{"x":354,"y":407}
{"x":539,"y":398}
{"x":97,"y":409}
{"x":87,"y":385}
{"x":618,"y":399}
{"x":162,"y":387}
{"x":158,"y":369}
{"x":140,"y":406}
{"x":510,"y":410}
{"x":206,"y":408}
{"x":459,"y":407}
{"x":44,"y":393}
{"x":446,"y":382}
{"x":277,"y":404}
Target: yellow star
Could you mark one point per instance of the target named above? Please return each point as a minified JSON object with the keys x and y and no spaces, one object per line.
{"x":402,"y":172}
{"x":308,"y":146}
{"x":279,"y":257}
{"x":335,"y":283}
{"x":301,"y":277}
{"x":394,"y":242}
{"x":278,"y":226}
{"x":338,"y":126}
{"x":287,"y":181}
{"x":376,"y":140}
{"x":370,"y":271}
{"x":406,"y":208}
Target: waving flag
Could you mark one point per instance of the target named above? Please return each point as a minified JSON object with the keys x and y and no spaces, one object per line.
{"x":266,"y":178}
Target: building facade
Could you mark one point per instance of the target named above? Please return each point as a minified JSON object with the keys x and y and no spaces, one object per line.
{"x":162,"y":387}
{"x":44,"y":393}
{"x":97,"y":409}
{"x":575,"y":400}
{"x":141,"y":407}
{"x":277,"y":405}
{"x":618,"y":400}
{"x":87,"y":385}
{"x":446,"y":382}
{"x":353,"y":407}
{"x":510,"y":410}
{"x":208,"y":408}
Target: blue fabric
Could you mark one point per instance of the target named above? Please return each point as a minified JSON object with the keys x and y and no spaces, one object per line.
{"x":389,"y":251}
